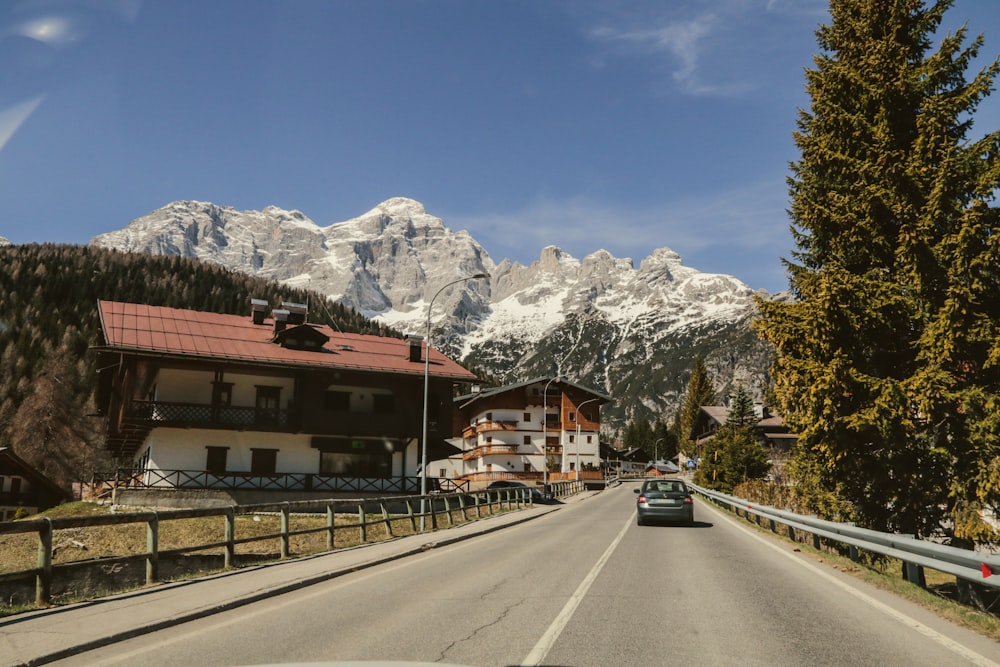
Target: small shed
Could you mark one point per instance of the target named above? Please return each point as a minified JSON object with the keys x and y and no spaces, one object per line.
{"x":24,"y":490}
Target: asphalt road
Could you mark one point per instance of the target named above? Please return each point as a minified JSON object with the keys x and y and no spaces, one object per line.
{"x":581,"y":586}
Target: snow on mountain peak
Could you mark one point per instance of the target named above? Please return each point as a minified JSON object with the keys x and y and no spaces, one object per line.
{"x":389,"y":261}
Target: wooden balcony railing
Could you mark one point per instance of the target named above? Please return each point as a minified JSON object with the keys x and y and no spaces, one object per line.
{"x":231,"y":481}
{"x":487,"y":450}
{"x":186,"y":414}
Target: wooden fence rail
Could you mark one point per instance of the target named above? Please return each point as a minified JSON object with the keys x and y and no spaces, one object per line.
{"x":439,"y":508}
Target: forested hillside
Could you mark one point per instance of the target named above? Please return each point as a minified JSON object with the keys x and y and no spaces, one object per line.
{"x":48,"y":320}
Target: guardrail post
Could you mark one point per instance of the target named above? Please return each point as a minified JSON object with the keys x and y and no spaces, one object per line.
{"x":153,"y":549}
{"x":791,"y":534}
{"x":230,"y":537}
{"x":852,"y":553}
{"x":331,"y":523}
{"x":434,"y":516}
{"x":284,"y":530}
{"x":479,"y":506}
{"x":43,"y":580}
{"x":816,"y":542}
{"x":461,"y":507}
{"x":914,"y":574}
{"x":363,"y":521}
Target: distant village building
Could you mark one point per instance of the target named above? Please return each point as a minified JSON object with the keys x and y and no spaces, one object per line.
{"x":23,"y":490}
{"x":511,"y":432}
{"x":267,"y":403}
{"x":773,"y":435}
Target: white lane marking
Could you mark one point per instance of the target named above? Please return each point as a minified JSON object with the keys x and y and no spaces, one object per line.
{"x":545,"y":643}
{"x":909,"y":621}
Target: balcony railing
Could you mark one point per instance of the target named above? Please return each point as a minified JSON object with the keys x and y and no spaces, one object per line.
{"x":487,"y":450}
{"x":236,"y":481}
{"x":183,"y":414}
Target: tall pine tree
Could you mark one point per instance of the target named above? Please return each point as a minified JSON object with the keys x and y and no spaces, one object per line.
{"x":887,"y":361}
{"x":699,"y":392}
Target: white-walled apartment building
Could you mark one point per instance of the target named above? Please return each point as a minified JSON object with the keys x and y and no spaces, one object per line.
{"x":503,"y":431}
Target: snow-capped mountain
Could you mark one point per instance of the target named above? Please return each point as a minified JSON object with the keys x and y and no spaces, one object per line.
{"x":631,"y":332}
{"x":4,"y":242}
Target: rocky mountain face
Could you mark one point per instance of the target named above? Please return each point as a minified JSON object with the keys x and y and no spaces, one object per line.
{"x":630,"y":332}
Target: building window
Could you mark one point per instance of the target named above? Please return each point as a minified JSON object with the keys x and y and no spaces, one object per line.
{"x":489,"y":439}
{"x":527,"y":439}
{"x":354,"y":458}
{"x":263,"y":461}
{"x":222,"y":394}
{"x":383,"y":404}
{"x":527,"y":416}
{"x":215,"y":459}
{"x":590,"y":439}
{"x":572,"y":416}
{"x":489,"y":416}
{"x":571,"y":438}
{"x":337,"y":401}
{"x":268,"y":402}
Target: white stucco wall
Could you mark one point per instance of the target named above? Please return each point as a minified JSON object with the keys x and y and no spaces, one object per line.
{"x":184,"y":449}
{"x":186,"y":386}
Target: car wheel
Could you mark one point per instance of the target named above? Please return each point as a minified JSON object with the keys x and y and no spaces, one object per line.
{"x":639,"y":521}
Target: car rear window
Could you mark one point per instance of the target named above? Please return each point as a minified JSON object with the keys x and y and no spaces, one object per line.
{"x":666,"y":487}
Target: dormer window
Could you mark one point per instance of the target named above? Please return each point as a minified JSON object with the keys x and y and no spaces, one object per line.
{"x":301,"y":337}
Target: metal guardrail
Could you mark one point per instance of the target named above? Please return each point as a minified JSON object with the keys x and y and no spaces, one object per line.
{"x":970,"y":566}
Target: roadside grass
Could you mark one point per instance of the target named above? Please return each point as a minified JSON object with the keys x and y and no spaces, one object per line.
{"x":19,"y":552}
{"x":941,"y":596}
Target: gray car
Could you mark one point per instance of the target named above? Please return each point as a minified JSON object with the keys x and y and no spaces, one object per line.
{"x":664,"y":500}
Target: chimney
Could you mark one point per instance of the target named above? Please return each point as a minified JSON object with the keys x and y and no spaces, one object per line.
{"x":415,"y":344}
{"x":258,"y":310}
{"x":280,"y":319}
{"x":296,"y":312}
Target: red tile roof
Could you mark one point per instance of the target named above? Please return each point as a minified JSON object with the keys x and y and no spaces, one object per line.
{"x":133,"y":327}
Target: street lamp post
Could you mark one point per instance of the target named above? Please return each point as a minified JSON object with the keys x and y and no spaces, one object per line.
{"x":656,"y":450}
{"x":427,"y":362}
{"x":545,"y":436}
{"x":578,"y":413}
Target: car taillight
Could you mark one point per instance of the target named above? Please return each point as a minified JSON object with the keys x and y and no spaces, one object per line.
{"x":688,"y":501}
{"x":642,"y":498}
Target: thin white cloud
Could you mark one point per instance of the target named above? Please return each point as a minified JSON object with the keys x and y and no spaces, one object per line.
{"x":705,"y":49}
{"x":743,"y":232}
{"x":752,"y":218}
{"x":680,"y":40}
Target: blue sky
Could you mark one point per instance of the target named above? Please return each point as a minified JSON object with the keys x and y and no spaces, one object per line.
{"x":584,"y":124}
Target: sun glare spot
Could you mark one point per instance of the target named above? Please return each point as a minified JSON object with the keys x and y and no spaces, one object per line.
{"x":55,"y":31}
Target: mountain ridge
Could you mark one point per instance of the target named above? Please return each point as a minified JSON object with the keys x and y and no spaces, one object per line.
{"x":523,"y":321}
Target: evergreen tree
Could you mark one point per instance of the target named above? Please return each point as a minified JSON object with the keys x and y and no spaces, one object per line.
{"x":734,"y":455}
{"x":741,"y":411}
{"x":699,"y":392}
{"x":664,"y":440}
{"x":887,"y":361}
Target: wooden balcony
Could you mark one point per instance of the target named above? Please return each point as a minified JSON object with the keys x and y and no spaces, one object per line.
{"x":166,"y":413}
{"x":489,"y":426}
{"x":488,"y":450}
